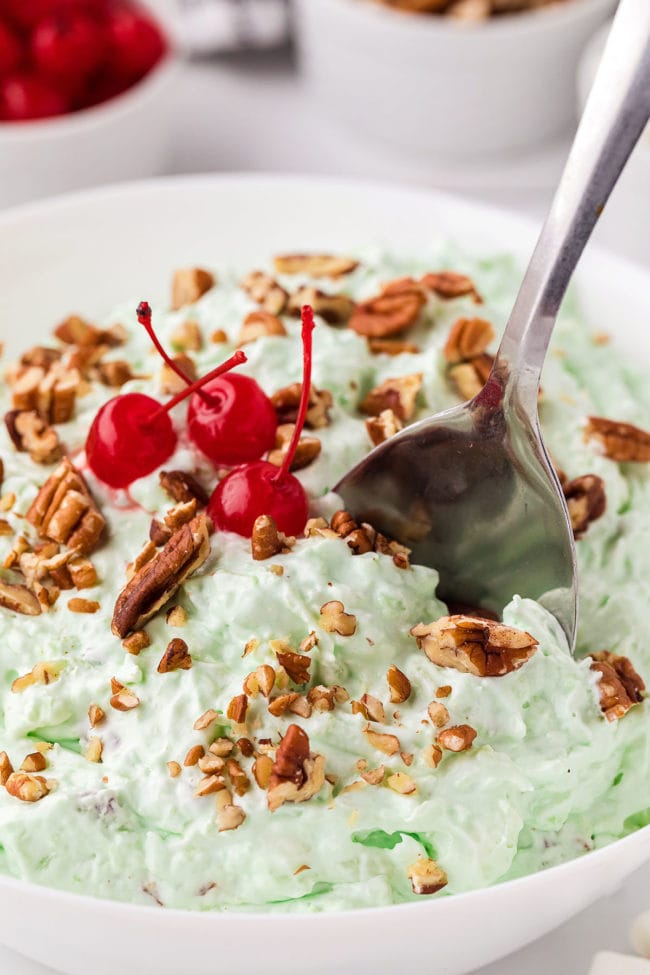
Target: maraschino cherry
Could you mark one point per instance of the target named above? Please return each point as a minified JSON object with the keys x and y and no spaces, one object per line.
{"x":261,"y":488}
{"x":133,"y":434}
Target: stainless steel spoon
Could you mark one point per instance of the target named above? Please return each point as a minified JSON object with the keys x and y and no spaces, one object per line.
{"x":472,"y":490}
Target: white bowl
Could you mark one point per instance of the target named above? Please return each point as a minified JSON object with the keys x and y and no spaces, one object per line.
{"x":146,"y":231}
{"x":121,"y":139}
{"x":436,"y":85}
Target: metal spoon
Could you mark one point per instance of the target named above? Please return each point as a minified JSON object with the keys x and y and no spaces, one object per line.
{"x":472,"y":490}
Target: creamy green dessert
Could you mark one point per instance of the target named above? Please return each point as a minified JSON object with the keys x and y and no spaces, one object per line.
{"x":150,"y":754}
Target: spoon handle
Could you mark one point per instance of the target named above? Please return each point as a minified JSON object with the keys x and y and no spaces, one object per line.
{"x":616,"y":114}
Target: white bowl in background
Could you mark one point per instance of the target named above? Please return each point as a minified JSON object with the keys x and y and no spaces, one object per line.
{"x":145,"y":231}
{"x":439,"y":86}
{"x":624,"y":224}
{"x":125,"y":138}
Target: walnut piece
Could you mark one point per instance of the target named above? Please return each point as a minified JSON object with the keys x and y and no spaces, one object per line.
{"x":315,"y":265}
{"x":398,"y":394}
{"x":189,"y":284}
{"x":426,"y":877}
{"x":296,"y":775}
{"x":307,"y":451}
{"x":65,"y":512}
{"x":620,"y":686}
{"x":176,"y":657}
{"x":387,"y":314}
{"x":586,"y":501}
{"x":619,"y":441}
{"x":475,"y":646}
{"x":260,"y":324}
{"x":468,"y":338}
{"x":158,"y":580}
{"x":265,"y":291}
{"x":287,"y":401}
{"x":32,"y":435}
{"x":383,"y":427}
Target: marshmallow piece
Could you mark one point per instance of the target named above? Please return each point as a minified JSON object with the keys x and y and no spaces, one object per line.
{"x":610,"y":963}
{"x":640,"y":934}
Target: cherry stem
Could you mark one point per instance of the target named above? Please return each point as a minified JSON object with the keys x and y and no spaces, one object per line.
{"x":144,"y":318}
{"x":307,"y":316}
{"x":235,"y":360}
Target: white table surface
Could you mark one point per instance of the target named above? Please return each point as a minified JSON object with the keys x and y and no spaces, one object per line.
{"x":251,"y":114}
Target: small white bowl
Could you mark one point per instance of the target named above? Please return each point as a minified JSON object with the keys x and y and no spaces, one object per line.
{"x":124,"y":138}
{"x":436,"y":85}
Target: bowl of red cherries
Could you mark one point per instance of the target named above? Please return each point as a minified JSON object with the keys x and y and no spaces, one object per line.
{"x":85,"y":93}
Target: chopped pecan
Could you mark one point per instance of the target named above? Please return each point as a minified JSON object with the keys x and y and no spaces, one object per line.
{"x":334,"y":309}
{"x":28,"y":788}
{"x":187,"y":337}
{"x":334,"y":619}
{"x":181,"y":514}
{"x":287,"y":400}
{"x":176,"y":657}
{"x":307,"y":451}
{"x":388,"y":744}
{"x":19,"y":599}
{"x":432,"y":755}
{"x":94,"y":750}
{"x":398,"y":394}
{"x":193,"y":756}
{"x":136,"y":641}
{"x":123,"y":699}
{"x":475,"y":646}
{"x":315,"y":265}
{"x":296,"y":665}
{"x":176,"y":616}
{"x":75,"y":330}
{"x":78,"y":605}
{"x":51,"y":394}
{"x":6,"y":768}
{"x":82,"y":572}
{"x":468,"y":338}
{"x":266,"y":540}
{"x":31,"y":434}
{"x":237,"y":709}
{"x":40,"y":356}
{"x":205,"y":720}
{"x":258,"y":325}
{"x":181,"y":486}
{"x":238,"y":777}
{"x":384,"y":426}
{"x":370,"y":707}
{"x":469,"y":378}
{"x":262,"y":769}
{"x":46,"y":673}
{"x":170,"y":381}
{"x":218,"y":336}
{"x":401,"y":783}
{"x":321,"y":698}
{"x":586,"y":501}
{"x":34,"y":762}
{"x":622,"y":442}
{"x":450,"y":284}
{"x":387,"y":314}
{"x":458,"y":738}
{"x":114,"y":373}
{"x":620,"y":687}
{"x":189,"y":284}
{"x":374,"y":776}
{"x":157,"y":581}
{"x":438,"y":713}
{"x":399,"y":685}
{"x":296,"y":775}
{"x":392,"y":347}
{"x":96,"y":715}
{"x":174,"y":769}
{"x":229,"y":815}
{"x":426,"y":877}
{"x":65,"y":511}
{"x":265,"y":291}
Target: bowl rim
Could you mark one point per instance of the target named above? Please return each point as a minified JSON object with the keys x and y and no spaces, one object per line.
{"x":87,"y":119}
{"x":242,"y":916}
{"x":557,"y":17}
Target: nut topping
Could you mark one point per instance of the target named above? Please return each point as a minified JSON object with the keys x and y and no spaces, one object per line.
{"x":260,"y":324}
{"x":315,"y":265}
{"x":32,"y":435}
{"x":468,"y":338}
{"x":237,"y":709}
{"x":189,"y":284}
{"x":51,"y":394}
{"x":65,"y":512}
{"x":296,"y":665}
{"x":187,"y":337}
{"x":384,"y":426}
{"x":619,"y":441}
{"x":450,"y":284}
{"x":265,"y":291}
{"x":457,"y":738}
{"x":308,"y":449}
{"x":266,"y":540}
{"x":170,"y":382}
{"x":19,"y":599}
{"x":287,"y":400}
{"x":469,"y":378}
{"x":398,"y":394}
{"x":176,"y":657}
{"x":475,"y":646}
{"x":6,"y":768}
{"x":388,"y":744}
{"x":334,"y":619}
{"x":387,"y":314}
{"x":296,"y":775}
{"x":620,"y":687}
{"x":401,"y":783}
{"x":586,"y":501}
{"x":124,"y":699}
{"x":136,"y":641}
{"x":44,"y":673}
{"x":392,"y":347}
{"x":426,"y":877}
{"x":182,"y":487}
{"x":27,"y":788}
{"x":399,"y":685}
{"x":158,"y":580}
{"x":334,"y":309}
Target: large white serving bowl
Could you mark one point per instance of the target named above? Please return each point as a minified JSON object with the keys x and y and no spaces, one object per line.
{"x":85,"y":253}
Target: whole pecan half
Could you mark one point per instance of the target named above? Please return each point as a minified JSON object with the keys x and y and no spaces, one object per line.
{"x":450,"y":284}
{"x":387,"y":314}
{"x":157,"y":580}
{"x":620,"y":687}
{"x":475,"y":646}
{"x":620,"y":441}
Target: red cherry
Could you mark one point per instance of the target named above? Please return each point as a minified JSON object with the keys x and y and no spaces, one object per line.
{"x":26,"y":96}
{"x":261,"y":488}
{"x":68,"y":48}
{"x":235,"y":422}
{"x":11,"y":52}
{"x":27,"y":13}
{"x":137,"y":43}
{"x":133,"y":434}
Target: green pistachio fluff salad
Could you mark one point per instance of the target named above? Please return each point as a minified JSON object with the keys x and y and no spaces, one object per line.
{"x":251,"y":724}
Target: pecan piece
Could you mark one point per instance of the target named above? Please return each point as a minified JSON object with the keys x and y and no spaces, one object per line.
{"x":259,"y":325}
{"x":189,"y":284}
{"x":334,"y":309}
{"x":334,"y":619}
{"x":155,"y":583}
{"x":182,"y":487}
{"x":265,"y":540}
{"x":187,"y":337}
{"x":384,"y":426}
{"x":32,"y":435}
{"x":75,"y":330}
{"x":307,"y":451}
{"x":296,"y":665}
{"x":315,"y":265}
{"x":399,"y":685}
{"x":296,"y":774}
{"x":65,"y":512}
{"x":622,"y":442}
{"x":475,"y":646}
{"x":287,"y":400}
{"x":469,"y":337}
{"x":426,"y":877}
{"x":586,"y":501}
{"x":620,"y":687}
{"x":52,"y":394}
{"x":176,"y":657}
{"x":387,"y":314}
{"x":458,"y":738}
{"x":450,"y":284}
{"x":469,"y":378}
{"x":398,"y":394}
{"x":265,"y":291}
{"x":170,"y":381}
{"x":27,"y":788}
{"x":392,"y":347}
{"x":19,"y":599}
